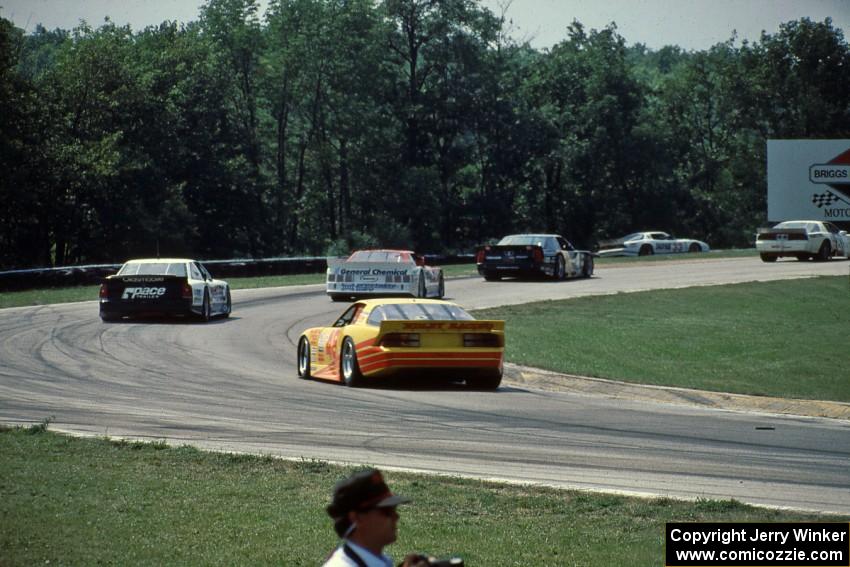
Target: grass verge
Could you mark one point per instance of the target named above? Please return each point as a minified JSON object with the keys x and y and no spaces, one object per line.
{"x":783,"y":338}
{"x":73,"y":501}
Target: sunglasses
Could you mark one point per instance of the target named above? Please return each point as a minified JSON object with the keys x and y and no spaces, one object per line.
{"x":388,"y":512}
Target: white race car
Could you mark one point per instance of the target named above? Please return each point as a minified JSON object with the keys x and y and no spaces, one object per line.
{"x":167,"y":286}
{"x":802,"y":239}
{"x":383,"y":273}
{"x":648,"y":243}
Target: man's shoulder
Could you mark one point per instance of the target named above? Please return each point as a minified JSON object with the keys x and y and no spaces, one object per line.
{"x":339,"y":559}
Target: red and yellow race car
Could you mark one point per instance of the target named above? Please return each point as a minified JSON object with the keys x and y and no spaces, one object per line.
{"x":381,"y":337}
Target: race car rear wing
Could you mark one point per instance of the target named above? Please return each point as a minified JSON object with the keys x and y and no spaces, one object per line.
{"x":790,"y":233}
{"x":370,"y":277}
{"x":612,"y":243}
{"x":472,"y":333}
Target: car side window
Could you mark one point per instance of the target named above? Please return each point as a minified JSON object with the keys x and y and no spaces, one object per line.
{"x":565,"y":244}
{"x":349,"y":315}
{"x":831,"y":228}
{"x":204,"y":272}
{"x":196,"y":273}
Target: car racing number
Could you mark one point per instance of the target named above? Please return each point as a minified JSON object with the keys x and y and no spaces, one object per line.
{"x":327,"y":346}
{"x":670,"y":246}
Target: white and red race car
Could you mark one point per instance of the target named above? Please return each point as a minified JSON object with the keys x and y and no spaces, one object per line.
{"x":383,"y":273}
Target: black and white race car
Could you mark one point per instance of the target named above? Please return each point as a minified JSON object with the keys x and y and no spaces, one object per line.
{"x":551,"y":255}
{"x":164,"y":286}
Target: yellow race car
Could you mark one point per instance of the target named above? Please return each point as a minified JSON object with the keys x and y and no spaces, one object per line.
{"x":380,"y":337}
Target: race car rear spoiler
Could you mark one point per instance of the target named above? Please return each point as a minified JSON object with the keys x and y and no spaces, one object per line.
{"x":368,"y":271}
{"x":613,"y":243}
{"x":473,"y":333}
{"x":792,"y":233}
{"x":432,"y":326}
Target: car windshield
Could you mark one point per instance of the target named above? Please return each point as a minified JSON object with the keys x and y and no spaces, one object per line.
{"x":522,"y":240}
{"x":633,"y":236}
{"x":791,"y":224}
{"x":382,"y":256}
{"x":153,"y":269}
{"x":418,"y":311}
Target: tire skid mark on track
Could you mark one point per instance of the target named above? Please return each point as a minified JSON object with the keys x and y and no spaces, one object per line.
{"x":232,"y":384}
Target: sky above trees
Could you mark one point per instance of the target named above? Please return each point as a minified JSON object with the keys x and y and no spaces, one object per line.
{"x":689,"y":24}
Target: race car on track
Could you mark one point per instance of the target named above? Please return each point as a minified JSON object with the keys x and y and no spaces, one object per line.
{"x":383,"y":273}
{"x":802,"y":239}
{"x":168,"y":286}
{"x":649,"y":243}
{"x":533,"y":254}
{"x":375,"y":338}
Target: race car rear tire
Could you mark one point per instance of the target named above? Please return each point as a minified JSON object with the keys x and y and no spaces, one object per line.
{"x":303,"y":358}
{"x":349,"y":368}
{"x":441,"y":291}
{"x":109,"y":317}
{"x":768,"y":257}
{"x":646,"y":250}
{"x":420,"y":288}
{"x":338,"y":297}
{"x":694,"y":247}
{"x":492,"y":277}
{"x":824,"y":252}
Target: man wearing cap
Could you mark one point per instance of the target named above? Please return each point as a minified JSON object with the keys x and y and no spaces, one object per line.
{"x":365,"y":517}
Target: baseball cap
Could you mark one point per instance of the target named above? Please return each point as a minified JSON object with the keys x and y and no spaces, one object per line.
{"x":362,"y":491}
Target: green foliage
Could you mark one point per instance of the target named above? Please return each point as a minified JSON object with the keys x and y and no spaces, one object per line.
{"x":404,"y":123}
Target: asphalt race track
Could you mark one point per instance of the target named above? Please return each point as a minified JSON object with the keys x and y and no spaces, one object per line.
{"x":231,"y":385}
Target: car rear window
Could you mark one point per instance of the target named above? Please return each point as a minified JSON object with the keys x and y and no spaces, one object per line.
{"x":523,"y":240}
{"x":154,"y":269}
{"x":417,"y":311}
{"x":379,"y":256}
{"x":791,"y":224}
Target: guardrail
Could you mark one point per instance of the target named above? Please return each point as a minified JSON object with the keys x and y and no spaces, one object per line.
{"x":69,"y":276}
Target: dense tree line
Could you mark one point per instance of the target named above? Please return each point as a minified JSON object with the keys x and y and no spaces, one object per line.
{"x":331,"y":124}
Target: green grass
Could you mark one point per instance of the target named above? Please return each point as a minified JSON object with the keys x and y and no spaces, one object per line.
{"x":784,"y":338}
{"x":70,"y":501}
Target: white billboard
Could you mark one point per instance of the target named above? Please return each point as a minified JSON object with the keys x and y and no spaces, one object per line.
{"x":808,"y":180}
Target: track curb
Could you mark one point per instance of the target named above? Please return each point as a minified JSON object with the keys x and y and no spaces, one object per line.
{"x":516,"y":375}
